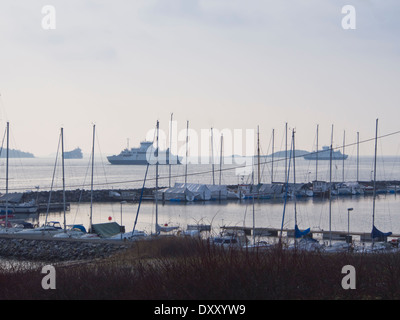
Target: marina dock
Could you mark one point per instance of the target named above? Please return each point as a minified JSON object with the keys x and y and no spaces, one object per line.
{"x":324,"y":234}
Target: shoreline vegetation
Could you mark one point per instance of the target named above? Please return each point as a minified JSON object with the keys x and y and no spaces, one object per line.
{"x":179,"y":268}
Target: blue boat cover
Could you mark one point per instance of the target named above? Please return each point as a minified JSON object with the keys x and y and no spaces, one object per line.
{"x":379,"y":234}
{"x":80,"y":227}
{"x":298,"y":233}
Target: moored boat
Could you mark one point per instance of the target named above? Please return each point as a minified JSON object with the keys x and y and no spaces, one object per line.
{"x":74,"y":154}
{"x":49,"y":228}
{"x":143,"y":156}
{"x":325,"y":154}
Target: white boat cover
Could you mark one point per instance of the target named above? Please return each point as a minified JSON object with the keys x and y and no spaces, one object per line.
{"x":200,"y":191}
{"x":176,"y":194}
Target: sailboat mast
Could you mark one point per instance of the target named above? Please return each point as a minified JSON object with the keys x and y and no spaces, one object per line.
{"x":169,"y":152}
{"x":374,"y":194}
{"x":254,"y":217}
{"x":316,"y":162}
{"x":286,"y":152}
{"x":294,"y":179}
{"x":358,"y":154}
{"x":272,"y":165}
{"x":91,"y":183}
{"x":212,"y":154}
{"x":344,"y":142}
{"x":258,"y":155}
{"x":63,"y":174}
{"x":156,"y":194}
{"x":221,"y":160}
{"x":187,"y":145}
{"x":330,"y":190}
{"x":7,"y":155}
{"x":286,"y":193}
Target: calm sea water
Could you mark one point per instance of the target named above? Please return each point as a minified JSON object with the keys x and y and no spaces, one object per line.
{"x":28,"y":174}
{"x":34,"y":174}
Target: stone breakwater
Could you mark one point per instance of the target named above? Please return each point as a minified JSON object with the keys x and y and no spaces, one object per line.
{"x":78,"y":195}
{"x":57,"y":250}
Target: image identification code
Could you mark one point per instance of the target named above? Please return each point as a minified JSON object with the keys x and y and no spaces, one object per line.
{"x":202,"y":309}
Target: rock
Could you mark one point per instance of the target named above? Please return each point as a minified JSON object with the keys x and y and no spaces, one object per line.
{"x":56,"y":250}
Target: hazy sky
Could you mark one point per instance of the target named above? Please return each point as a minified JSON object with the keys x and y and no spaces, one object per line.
{"x":231,"y":64}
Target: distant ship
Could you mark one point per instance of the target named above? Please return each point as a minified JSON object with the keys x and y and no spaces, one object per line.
{"x":73,"y":154}
{"x":325,"y":154}
{"x":139,"y":156}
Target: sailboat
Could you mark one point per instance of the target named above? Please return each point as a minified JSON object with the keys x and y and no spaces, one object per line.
{"x":337,"y":246}
{"x":51,"y":228}
{"x":74,"y":230}
{"x":7,"y":224}
{"x":99,"y":230}
{"x":134,"y":234}
{"x":10,"y":203}
{"x":376,"y":234}
{"x":165,"y":227}
{"x":306,"y":242}
{"x":137,"y":234}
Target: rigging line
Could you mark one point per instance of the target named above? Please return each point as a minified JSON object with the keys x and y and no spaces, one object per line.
{"x":140,"y":201}
{"x":82,"y":189}
{"x":222,"y":169}
{"x":396,"y":156}
{"x":2,"y":142}
{"x":103,"y":166}
{"x":141,"y":193}
{"x":279,"y":150}
{"x":18,"y":160}
{"x":351,"y":144}
{"x":382,"y":162}
{"x":298,"y":156}
{"x":52,"y":181}
{"x":268,"y":170}
{"x":363,"y":141}
{"x":286,"y":192}
{"x":101,"y":156}
{"x":3,"y":111}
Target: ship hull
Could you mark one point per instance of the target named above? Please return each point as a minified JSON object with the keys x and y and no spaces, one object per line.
{"x":325,"y":154}
{"x":314,"y":157}
{"x":139,"y":156}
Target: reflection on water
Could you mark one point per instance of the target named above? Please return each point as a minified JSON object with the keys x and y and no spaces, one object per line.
{"x":36,"y":174}
{"x":311,"y":212}
{"x":27,"y":174}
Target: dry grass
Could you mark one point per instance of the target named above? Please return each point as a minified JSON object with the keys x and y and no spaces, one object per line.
{"x":179,"y":268}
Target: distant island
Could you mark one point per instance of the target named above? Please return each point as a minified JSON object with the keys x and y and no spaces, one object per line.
{"x":74,"y":154}
{"x":13,"y":153}
{"x":282,"y":154}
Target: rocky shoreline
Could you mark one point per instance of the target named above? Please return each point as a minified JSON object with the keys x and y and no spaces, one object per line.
{"x":57,"y":250}
{"x":82,"y":195}
{"x":116,"y":195}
